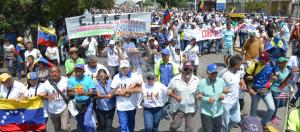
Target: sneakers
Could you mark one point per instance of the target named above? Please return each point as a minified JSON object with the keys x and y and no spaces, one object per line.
{"x":292,"y":105}
{"x":275,"y":120}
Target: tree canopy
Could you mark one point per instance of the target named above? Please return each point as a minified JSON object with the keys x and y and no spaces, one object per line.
{"x":17,"y":15}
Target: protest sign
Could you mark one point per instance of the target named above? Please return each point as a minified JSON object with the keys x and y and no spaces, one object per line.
{"x":100,"y":24}
{"x":203,"y":34}
{"x":129,"y":28}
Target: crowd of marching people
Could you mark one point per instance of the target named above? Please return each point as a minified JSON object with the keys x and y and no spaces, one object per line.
{"x":159,"y":74}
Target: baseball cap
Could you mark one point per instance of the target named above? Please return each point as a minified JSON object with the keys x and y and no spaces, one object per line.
{"x":264,"y":56}
{"x":174,"y":40}
{"x":73,"y":49}
{"x":177,"y":47}
{"x":150,"y":76}
{"x":282,"y":59}
{"x":252,"y":34}
{"x":188,"y":65}
{"x":80,"y":66}
{"x":112,"y":42}
{"x":165,"y":52}
{"x":212,"y":68}
{"x":32,"y":76}
{"x":124,"y":63}
{"x":251,"y":124}
{"x":4,"y":77}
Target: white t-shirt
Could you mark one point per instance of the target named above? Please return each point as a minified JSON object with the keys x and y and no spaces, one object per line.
{"x":113,"y":56}
{"x":57,"y":105}
{"x":172,"y":52}
{"x":31,"y":93}
{"x":126,"y":103}
{"x":92,"y":46}
{"x":92,"y":72}
{"x":52,"y":53}
{"x":294,"y":62}
{"x":16,"y":92}
{"x":8,"y":51}
{"x":192,"y":53}
{"x":154,"y":96}
{"x":34,"y":52}
{"x":232,"y":81}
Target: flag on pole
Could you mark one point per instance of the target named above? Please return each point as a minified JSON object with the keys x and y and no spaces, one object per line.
{"x":233,"y":9}
{"x":167,"y":15}
{"x":46,"y":36}
{"x":25,"y":115}
{"x":202,"y":5}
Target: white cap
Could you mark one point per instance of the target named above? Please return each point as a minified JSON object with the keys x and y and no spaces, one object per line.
{"x":112,"y":42}
{"x":124,"y":63}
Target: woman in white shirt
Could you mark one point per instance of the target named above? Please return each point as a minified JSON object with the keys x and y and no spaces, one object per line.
{"x":154,"y":96}
{"x":9,"y":55}
{"x":35,"y":89}
{"x":53,"y":55}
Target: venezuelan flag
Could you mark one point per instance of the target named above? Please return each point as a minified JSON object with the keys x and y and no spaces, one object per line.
{"x":46,"y":36}
{"x":25,"y":115}
{"x":202,"y":5}
{"x":167,"y":15}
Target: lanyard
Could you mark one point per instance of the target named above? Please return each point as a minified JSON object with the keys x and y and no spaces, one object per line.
{"x":9,"y":92}
{"x":102,"y":87}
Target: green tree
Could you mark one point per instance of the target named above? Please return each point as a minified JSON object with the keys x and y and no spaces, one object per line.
{"x":255,"y":6}
{"x":17,"y":15}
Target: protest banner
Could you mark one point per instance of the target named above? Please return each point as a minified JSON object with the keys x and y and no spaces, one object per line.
{"x":101,"y":24}
{"x":129,"y":28}
{"x":203,"y":34}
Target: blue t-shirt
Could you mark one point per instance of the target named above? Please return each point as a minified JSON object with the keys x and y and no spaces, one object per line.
{"x":104,"y":104}
{"x":228,"y":35}
{"x":85,"y":83}
{"x":282,"y":75}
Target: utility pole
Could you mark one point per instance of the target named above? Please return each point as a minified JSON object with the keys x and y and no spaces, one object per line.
{"x":195,"y":5}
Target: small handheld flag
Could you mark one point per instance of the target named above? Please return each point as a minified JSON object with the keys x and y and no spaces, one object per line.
{"x":167,"y":15}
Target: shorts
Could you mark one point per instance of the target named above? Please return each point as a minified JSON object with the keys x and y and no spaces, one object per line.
{"x":227,"y":51}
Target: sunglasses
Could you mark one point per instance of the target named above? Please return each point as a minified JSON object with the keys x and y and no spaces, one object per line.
{"x":187,"y":69}
{"x":150,"y":78}
{"x":73,"y":52}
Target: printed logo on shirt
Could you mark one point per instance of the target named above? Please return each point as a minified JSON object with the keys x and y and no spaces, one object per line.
{"x":151,"y":96}
{"x":79,"y":87}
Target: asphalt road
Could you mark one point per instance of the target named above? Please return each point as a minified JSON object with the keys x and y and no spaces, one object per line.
{"x":164,"y":124}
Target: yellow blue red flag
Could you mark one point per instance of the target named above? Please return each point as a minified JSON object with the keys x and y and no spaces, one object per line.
{"x":25,"y":115}
{"x":47,"y":36}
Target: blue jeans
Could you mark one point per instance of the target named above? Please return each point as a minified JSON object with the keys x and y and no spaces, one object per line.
{"x":218,"y":45}
{"x":126,"y":120}
{"x":10,"y":65}
{"x":277,"y":102}
{"x":243,"y":37}
{"x":201,"y":45}
{"x":231,"y":115}
{"x":268,"y":99}
{"x":152,"y":117}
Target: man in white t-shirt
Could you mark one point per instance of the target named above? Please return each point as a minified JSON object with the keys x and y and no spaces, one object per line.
{"x":90,"y":44}
{"x":126,"y":86}
{"x":92,"y":67}
{"x":233,"y":78}
{"x":10,"y":88}
{"x":191,"y":53}
{"x":57,"y":106}
{"x":114,"y":54}
{"x":32,"y":51}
